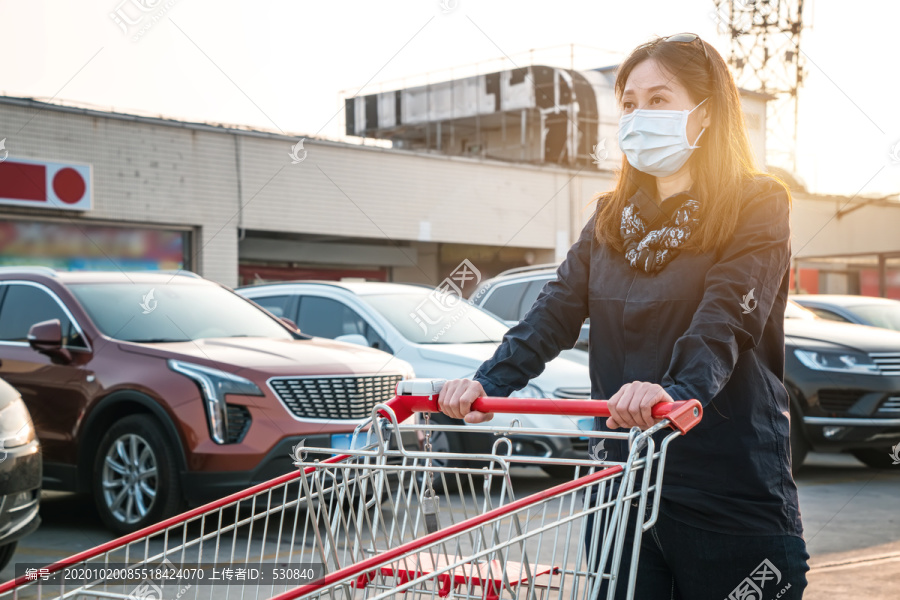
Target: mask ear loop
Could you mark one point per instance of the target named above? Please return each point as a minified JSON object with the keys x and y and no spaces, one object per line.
{"x":694,"y":145}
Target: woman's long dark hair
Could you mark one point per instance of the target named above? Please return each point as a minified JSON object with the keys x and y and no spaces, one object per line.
{"x":720,"y":167}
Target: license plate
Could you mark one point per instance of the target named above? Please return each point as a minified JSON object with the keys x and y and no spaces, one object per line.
{"x":341,"y":441}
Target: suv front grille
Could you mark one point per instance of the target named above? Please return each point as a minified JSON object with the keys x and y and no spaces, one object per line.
{"x":890,"y":406}
{"x":888,"y":363}
{"x":839,"y":401}
{"x":334,"y":397}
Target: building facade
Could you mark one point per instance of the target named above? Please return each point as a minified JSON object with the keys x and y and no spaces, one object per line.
{"x":82,"y":188}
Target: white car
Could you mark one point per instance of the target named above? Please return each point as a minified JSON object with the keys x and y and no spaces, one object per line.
{"x":442,"y":337}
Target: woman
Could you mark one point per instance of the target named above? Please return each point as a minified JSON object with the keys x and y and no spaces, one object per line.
{"x":683,"y":271}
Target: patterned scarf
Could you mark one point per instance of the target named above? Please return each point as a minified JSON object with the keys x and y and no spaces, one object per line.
{"x":652,"y":250}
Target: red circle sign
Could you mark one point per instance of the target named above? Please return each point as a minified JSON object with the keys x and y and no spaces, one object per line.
{"x":69,"y":185}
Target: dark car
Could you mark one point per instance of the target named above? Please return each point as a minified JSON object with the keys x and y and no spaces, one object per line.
{"x":862,"y":310}
{"x":20,"y":473}
{"x":152,"y":390}
{"x":843,"y":379}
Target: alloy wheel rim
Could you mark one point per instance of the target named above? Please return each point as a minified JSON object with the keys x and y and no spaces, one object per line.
{"x":129,"y":478}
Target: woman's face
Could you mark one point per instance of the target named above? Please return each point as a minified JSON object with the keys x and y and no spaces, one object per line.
{"x":650,"y":86}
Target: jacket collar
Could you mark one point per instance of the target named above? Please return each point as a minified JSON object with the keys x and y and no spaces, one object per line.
{"x":652,"y":214}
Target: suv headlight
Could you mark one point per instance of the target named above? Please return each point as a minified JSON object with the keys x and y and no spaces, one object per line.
{"x":16,"y":428}
{"x":529,"y":391}
{"x":215,"y":384}
{"x":843,"y":362}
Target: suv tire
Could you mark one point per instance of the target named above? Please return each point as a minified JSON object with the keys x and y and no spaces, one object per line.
{"x":6,"y":553}
{"x":874,"y":458}
{"x":135,"y":478}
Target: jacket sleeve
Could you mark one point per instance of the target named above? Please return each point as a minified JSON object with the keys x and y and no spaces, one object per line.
{"x":740,"y":290}
{"x":550,"y":326}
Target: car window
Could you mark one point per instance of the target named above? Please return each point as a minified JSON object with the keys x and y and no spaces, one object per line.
{"x":881,"y":315}
{"x":173,"y":312}
{"x":792,"y":310}
{"x":827,"y":314}
{"x":505,"y":300}
{"x":437,"y":318}
{"x":274,"y":304}
{"x":531,"y":293}
{"x":25,"y":305}
{"x":329,"y":318}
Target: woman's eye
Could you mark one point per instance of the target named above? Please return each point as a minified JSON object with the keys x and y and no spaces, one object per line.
{"x":627,"y":106}
{"x":655,"y":100}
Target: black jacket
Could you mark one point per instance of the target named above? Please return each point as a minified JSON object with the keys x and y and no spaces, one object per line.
{"x":708,"y":326}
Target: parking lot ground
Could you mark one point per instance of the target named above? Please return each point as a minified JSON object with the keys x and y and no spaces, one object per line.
{"x":851,"y":516}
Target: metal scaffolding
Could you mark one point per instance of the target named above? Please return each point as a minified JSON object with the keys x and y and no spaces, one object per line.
{"x":765,"y":56}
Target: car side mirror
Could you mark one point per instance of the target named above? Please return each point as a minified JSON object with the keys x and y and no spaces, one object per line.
{"x":46,"y":337}
{"x":353,"y":338}
{"x":289,"y":323}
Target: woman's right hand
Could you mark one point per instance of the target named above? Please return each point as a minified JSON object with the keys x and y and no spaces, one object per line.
{"x":456,"y":398}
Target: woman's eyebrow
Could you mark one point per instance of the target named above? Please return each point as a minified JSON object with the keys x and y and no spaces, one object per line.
{"x":654,"y":88}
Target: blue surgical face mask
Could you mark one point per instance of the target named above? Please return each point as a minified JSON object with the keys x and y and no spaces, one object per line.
{"x":655,"y":141}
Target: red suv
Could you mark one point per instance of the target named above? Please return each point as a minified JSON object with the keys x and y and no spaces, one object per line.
{"x":151,"y":390}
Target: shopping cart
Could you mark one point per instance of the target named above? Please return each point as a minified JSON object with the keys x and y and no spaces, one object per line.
{"x":369,"y":523}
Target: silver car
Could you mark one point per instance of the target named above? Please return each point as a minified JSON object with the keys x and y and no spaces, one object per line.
{"x":442,"y":337}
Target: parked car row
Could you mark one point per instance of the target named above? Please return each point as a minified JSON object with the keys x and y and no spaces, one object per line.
{"x":154,"y":390}
{"x":843,"y":378}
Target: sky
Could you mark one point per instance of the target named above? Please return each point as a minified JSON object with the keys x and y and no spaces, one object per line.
{"x":283,"y":65}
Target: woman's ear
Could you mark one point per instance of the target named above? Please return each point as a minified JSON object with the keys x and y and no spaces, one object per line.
{"x":705,"y":117}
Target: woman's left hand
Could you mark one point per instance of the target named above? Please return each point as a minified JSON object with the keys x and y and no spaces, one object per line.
{"x":630,"y":406}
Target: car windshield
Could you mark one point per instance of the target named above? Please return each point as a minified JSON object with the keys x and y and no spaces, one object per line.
{"x":795,"y":311}
{"x":437,"y":318}
{"x":880,"y":315}
{"x":173,"y":312}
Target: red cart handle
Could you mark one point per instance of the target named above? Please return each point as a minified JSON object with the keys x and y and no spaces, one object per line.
{"x":421,"y":395}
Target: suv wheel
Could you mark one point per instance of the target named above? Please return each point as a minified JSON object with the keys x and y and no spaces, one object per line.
{"x":135,"y":479}
{"x":876,"y":458}
{"x":6,"y":553}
